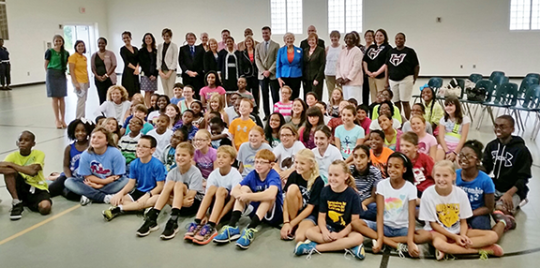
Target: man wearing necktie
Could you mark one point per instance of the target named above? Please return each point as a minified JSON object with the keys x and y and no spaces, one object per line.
{"x":265,"y":58}
{"x":191,"y":63}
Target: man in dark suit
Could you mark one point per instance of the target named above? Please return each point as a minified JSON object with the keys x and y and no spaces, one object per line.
{"x":191,"y":63}
{"x":304,"y":44}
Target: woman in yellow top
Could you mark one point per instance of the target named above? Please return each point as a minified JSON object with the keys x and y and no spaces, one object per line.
{"x":78,"y":69}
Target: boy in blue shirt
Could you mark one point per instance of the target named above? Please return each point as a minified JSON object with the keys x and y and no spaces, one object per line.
{"x":261,"y":189}
{"x":146,"y":180}
{"x":23,"y":174}
{"x":178,"y":90}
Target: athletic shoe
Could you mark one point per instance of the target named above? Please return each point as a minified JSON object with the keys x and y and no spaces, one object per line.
{"x":493,"y":250}
{"x":147,"y":227}
{"x":402,"y":249}
{"x":509,"y":221}
{"x":289,"y":237}
{"x":107,"y":199}
{"x":305,"y":248}
{"x":193,"y":228}
{"x":85,"y":200}
{"x":247,"y":237}
{"x":111,"y":213}
{"x":16,"y":211}
{"x":205,"y":235}
{"x":171,"y":228}
{"x":439,"y":255}
{"x":357,"y":252}
{"x":227,"y":234}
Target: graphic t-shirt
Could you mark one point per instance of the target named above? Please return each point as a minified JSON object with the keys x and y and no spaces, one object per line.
{"x":366,"y":182}
{"x":381,"y":160}
{"x":445,"y":210}
{"x":285,"y":156}
{"x":112,"y":162}
{"x":246,"y":155}
{"x":375,"y":57}
{"x":476,"y":189}
{"x":147,"y":174}
{"x":239,"y":129}
{"x":422,"y":172}
{"x":35,"y":157}
{"x":425,"y":143}
{"x":401,"y":63}
{"x":348,"y":138}
{"x":339,"y":207}
{"x":168,"y":158}
{"x":205,"y":162}
{"x":396,"y":203}
{"x":253,"y":181}
{"x":453,"y":130}
{"x":310,"y":196}
{"x":207,"y":92}
{"x":227,"y":181}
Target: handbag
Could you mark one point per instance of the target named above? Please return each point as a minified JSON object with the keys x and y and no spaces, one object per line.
{"x":476,"y":94}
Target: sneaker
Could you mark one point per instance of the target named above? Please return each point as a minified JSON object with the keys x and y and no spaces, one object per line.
{"x":205,"y":235}
{"x":247,"y":237}
{"x":439,"y":255}
{"x":111,"y":213}
{"x":171,"y":228}
{"x":493,"y":250}
{"x":402,"y":249}
{"x":107,"y":199}
{"x":290,"y":237}
{"x":16,"y":211}
{"x":147,"y":227}
{"x":85,"y":200}
{"x":305,"y":248}
{"x":357,"y":252}
{"x":509,"y":221}
{"x":227,"y":234}
{"x":193,"y":228}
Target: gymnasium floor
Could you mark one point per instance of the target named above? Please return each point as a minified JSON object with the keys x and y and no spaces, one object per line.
{"x":74,"y":236}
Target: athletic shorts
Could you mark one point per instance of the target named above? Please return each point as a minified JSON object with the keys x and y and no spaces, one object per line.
{"x":136,"y":195}
{"x":388,"y":231}
{"x":30,"y":195}
{"x":274,"y":216}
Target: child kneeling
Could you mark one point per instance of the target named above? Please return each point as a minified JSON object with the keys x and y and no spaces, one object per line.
{"x":146,"y":179}
{"x":218,"y":187}
{"x":446,"y":208}
{"x":183,"y":187}
{"x":261,"y":189}
{"x":339,"y":206}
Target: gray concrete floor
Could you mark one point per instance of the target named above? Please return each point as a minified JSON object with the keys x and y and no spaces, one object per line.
{"x":74,"y":236}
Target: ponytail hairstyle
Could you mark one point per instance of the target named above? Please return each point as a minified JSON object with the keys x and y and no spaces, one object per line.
{"x":476,"y":146}
{"x":432,"y":102}
{"x":350,"y":179}
{"x":310,"y":156}
{"x":408,"y":175}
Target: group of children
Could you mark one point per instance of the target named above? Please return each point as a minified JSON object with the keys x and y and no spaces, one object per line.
{"x":328,"y":182}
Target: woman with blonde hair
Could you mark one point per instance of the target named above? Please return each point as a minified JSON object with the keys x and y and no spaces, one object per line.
{"x":116,"y":105}
{"x":210,"y":61}
{"x":289,"y":65}
{"x":302,"y":191}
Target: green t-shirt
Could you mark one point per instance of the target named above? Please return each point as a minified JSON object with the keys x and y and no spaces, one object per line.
{"x":35,"y":157}
{"x":56,"y":60}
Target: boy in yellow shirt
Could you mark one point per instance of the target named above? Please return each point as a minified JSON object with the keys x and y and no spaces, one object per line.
{"x":240,"y":127}
{"x":23,"y":173}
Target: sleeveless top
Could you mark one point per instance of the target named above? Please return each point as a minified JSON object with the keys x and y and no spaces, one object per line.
{"x":331,"y":60}
{"x":74,"y":156}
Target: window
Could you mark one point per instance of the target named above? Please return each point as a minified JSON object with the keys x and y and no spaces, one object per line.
{"x":3,"y":21}
{"x":286,"y":16}
{"x":525,"y":15}
{"x":345,"y":15}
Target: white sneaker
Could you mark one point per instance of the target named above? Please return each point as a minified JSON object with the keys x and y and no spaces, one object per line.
{"x":107,"y":199}
{"x":85,"y":200}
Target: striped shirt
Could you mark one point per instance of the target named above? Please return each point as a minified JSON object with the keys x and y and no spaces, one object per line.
{"x":283,"y":109}
{"x":128,"y":147}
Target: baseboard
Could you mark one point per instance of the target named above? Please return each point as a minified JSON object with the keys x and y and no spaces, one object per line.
{"x":464,"y":77}
{"x":27,"y":84}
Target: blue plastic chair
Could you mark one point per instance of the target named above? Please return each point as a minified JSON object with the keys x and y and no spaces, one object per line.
{"x":505,"y":96}
{"x":527,"y":83}
{"x":486,"y":85}
{"x":495,"y":74}
{"x":533,"y":75}
{"x":476,"y":77}
{"x":499,"y":80}
{"x":434,"y":82}
{"x":531,"y":103}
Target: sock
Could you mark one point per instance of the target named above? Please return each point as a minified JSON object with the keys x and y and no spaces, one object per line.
{"x":153,"y":214}
{"x":255,"y":221}
{"x":198,"y":221}
{"x":15,"y":202}
{"x":212,"y":224}
{"x":235,"y":217}
{"x":175,"y":212}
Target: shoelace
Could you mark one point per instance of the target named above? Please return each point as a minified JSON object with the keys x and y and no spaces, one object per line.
{"x":250,"y":233}
{"x":401,"y":249}
{"x":347,"y":251}
{"x":484,"y":254}
{"x":311,"y":252}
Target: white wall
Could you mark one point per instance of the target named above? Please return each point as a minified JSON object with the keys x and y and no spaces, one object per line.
{"x":33,"y":22}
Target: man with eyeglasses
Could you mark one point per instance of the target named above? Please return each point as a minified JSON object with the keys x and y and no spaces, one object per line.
{"x":510,"y":161}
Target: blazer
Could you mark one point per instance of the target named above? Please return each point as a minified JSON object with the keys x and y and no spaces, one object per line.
{"x":110,"y":63}
{"x":170,"y":56}
{"x":314,"y":64}
{"x":304,"y":44}
{"x":210,"y":63}
{"x":188,"y":63}
{"x":247,"y":68}
{"x":266,"y":60}
{"x":289,"y":70}
{"x":147,"y":61}
{"x":349,"y":65}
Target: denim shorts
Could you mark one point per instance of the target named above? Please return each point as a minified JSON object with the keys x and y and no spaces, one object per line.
{"x":388,"y":231}
{"x":312,"y":219}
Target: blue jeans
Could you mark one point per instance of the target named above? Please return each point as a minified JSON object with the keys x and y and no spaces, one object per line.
{"x":482,"y":222}
{"x":77,"y":186}
{"x":388,"y":231}
{"x":370,"y":213}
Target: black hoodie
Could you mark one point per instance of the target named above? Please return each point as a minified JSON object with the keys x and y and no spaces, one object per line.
{"x":510,"y":163}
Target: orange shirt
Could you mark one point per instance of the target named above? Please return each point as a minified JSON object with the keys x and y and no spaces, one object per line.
{"x":290,"y":55}
{"x":380,"y":162}
{"x":239,"y":129}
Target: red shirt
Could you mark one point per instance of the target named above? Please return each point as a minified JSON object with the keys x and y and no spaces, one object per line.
{"x":365,"y":125}
{"x":334,"y":123}
{"x":422,"y":167}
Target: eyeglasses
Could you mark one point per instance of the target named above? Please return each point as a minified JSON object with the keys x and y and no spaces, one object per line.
{"x":143,"y":147}
{"x":259,"y":162}
{"x":287,"y":135}
{"x":466,"y":157}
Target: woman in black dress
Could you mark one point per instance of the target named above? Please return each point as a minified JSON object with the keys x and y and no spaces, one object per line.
{"x":130,"y":76}
{"x":149,"y":72}
{"x":104,"y":68}
{"x":229,"y":66}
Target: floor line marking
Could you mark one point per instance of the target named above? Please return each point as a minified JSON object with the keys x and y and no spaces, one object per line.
{"x":37,"y":225}
{"x":385,"y":259}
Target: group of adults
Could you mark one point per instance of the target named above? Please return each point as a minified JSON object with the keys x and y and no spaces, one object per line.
{"x":265,"y":65}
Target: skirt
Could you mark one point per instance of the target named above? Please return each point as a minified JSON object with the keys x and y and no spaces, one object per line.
{"x":147,"y":84}
{"x":56,"y":83}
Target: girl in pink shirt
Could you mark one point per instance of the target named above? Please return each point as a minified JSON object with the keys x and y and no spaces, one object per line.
{"x":213,"y":85}
{"x":284,"y":106}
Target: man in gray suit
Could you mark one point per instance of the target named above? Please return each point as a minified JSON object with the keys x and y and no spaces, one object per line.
{"x":265,"y":58}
